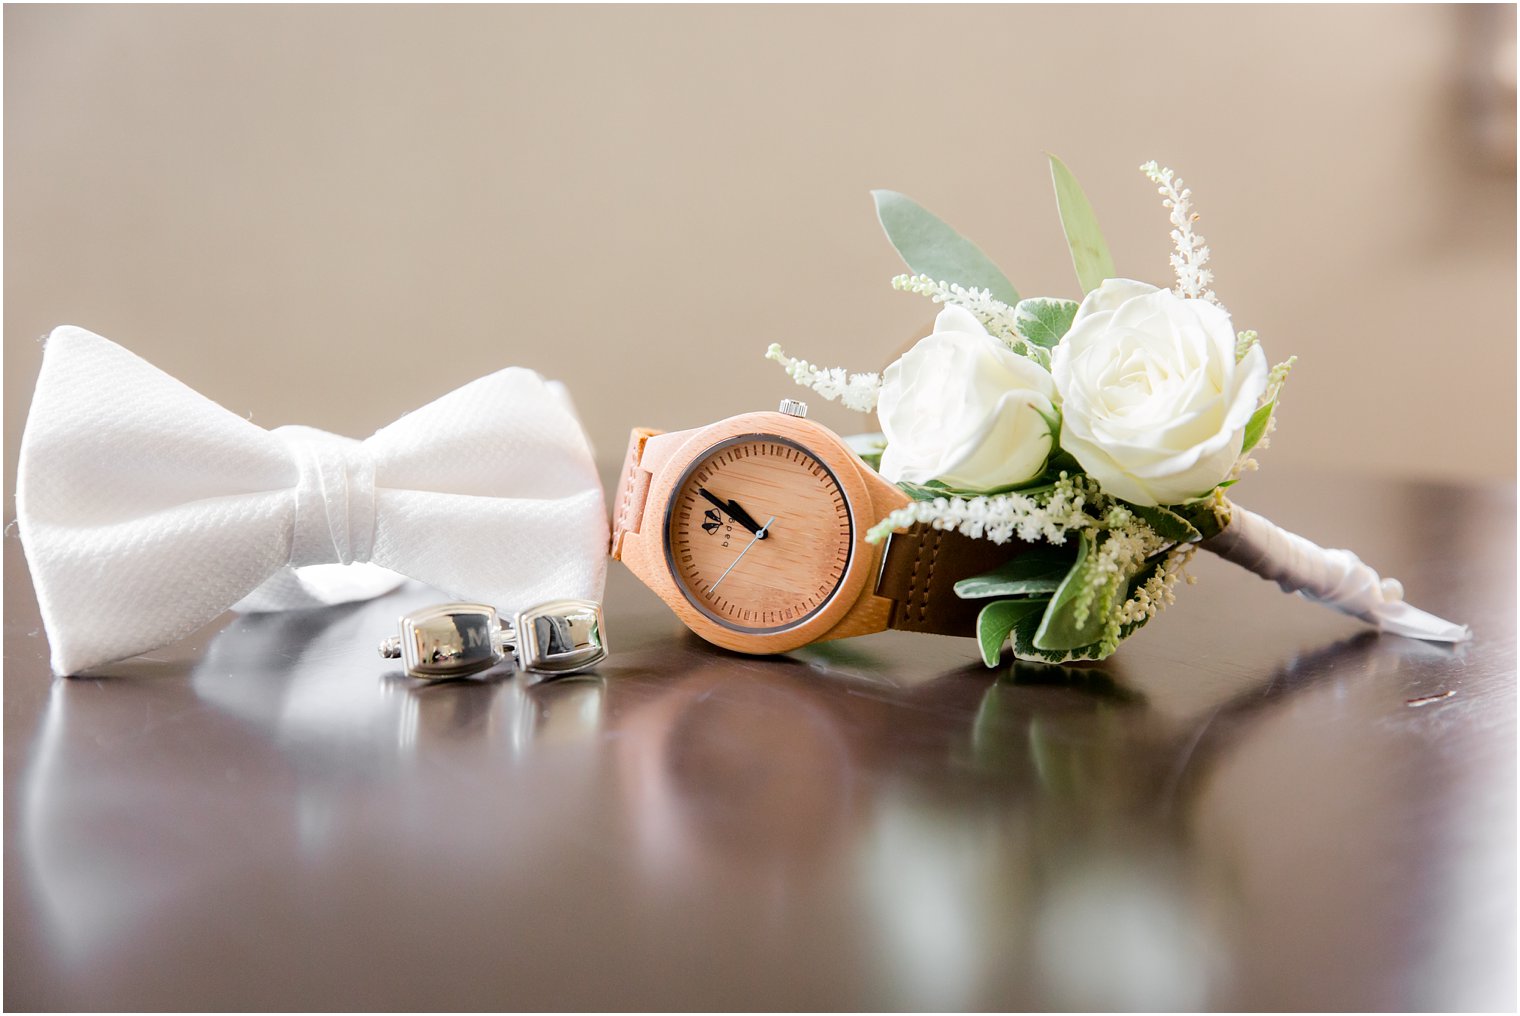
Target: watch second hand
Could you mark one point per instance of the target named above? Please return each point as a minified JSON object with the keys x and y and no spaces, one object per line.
{"x":759,"y":535}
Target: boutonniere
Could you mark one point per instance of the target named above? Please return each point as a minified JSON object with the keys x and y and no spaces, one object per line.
{"x":1106,"y":433}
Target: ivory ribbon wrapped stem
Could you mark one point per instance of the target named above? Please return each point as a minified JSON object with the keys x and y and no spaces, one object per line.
{"x":1336,"y":578}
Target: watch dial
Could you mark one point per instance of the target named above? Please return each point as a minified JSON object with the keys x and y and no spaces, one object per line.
{"x":759,"y":534}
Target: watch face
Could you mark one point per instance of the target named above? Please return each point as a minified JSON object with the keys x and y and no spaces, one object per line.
{"x":759,"y":534}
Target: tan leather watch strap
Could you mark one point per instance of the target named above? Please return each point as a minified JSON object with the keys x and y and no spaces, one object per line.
{"x":919,"y":573}
{"x":632,"y":490}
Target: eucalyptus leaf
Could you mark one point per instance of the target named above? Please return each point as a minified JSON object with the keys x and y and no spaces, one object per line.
{"x":1037,"y":570}
{"x":1168,"y":524}
{"x":931,"y":247}
{"x":1059,"y":627}
{"x":1089,"y":254}
{"x":1256,"y":426}
{"x":995,"y":622}
{"x":1044,"y":321}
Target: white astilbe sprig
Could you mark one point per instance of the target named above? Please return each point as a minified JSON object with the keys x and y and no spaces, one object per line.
{"x":999,"y":517}
{"x":855,"y":391}
{"x":994,"y":314}
{"x":1145,"y":601}
{"x":1192,"y":254}
{"x":1120,"y":554}
{"x":1123,"y":546}
{"x":1157,"y":592}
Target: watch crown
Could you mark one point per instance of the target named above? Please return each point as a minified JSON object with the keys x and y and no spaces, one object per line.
{"x":791,"y":407}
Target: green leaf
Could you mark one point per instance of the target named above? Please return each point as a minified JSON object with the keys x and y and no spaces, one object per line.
{"x":1059,"y":628}
{"x":1060,"y":461}
{"x":1044,"y":321}
{"x":1027,"y":628}
{"x":1200,"y":515}
{"x":930,"y":247}
{"x":1168,"y":525}
{"x":925,"y":491}
{"x":935,"y":488}
{"x":1089,"y":254}
{"x":1037,"y":570}
{"x":1256,"y":426}
{"x":995,"y":622}
{"x":1023,"y":641}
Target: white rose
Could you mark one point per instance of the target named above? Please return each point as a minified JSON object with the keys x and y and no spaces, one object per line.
{"x":961,"y":408}
{"x":1154,"y":405}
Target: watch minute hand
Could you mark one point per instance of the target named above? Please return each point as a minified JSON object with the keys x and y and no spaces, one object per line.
{"x":744,"y":519}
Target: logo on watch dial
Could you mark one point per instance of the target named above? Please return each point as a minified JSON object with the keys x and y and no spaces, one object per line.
{"x":713,"y":522}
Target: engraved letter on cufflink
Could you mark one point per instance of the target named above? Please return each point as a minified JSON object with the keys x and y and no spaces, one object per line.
{"x":450,"y":640}
{"x":561,"y":637}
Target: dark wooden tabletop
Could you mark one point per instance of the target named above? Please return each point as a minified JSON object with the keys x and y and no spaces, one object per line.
{"x":1257,"y":804}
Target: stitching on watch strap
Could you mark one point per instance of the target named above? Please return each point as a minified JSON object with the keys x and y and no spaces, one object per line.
{"x":634,"y":484}
{"x":937,"y":538}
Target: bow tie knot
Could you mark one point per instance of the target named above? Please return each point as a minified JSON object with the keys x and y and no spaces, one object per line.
{"x":335,"y":497}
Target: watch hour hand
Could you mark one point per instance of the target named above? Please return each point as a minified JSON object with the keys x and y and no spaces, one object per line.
{"x":734,"y":512}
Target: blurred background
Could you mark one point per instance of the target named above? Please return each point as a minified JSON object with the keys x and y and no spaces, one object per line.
{"x":331,"y":215}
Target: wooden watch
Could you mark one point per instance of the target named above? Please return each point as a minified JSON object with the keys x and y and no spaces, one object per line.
{"x":753,"y":530}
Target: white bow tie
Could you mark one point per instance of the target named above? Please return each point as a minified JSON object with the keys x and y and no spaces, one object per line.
{"x":146,"y":509}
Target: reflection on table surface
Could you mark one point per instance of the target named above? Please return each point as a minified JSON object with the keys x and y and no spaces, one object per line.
{"x":1256,"y":805}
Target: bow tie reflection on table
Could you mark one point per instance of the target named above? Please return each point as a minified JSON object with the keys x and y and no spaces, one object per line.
{"x":146,"y":509}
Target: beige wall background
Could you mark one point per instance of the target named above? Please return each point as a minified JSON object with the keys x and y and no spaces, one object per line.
{"x":330,"y":215}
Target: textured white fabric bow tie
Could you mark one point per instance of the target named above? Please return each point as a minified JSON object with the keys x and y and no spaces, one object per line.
{"x":146,"y":509}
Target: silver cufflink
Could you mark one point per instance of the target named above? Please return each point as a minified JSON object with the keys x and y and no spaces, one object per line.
{"x":458,"y":639}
